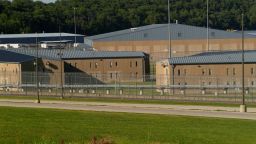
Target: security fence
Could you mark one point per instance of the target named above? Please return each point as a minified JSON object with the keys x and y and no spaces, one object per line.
{"x":148,"y":87}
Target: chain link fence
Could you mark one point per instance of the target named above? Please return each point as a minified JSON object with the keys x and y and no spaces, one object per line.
{"x":189,"y":88}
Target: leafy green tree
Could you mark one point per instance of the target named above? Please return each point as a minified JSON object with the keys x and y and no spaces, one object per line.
{"x":100,"y":16}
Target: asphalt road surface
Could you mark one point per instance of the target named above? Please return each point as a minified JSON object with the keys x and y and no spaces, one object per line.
{"x":184,"y":110}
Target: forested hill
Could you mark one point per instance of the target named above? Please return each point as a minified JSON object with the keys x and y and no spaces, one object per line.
{"x":100,"y":16}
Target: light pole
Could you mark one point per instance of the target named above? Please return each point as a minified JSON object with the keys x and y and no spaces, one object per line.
{"x":169,"y":44}
{"x":61,"y":74}
{"x":37,"y":84}
{"x":75,"y":23}
{"x":243,"y":106}
{"x":169,"y":30}
{"x":208,"y":46}
{"x":61,"y":65}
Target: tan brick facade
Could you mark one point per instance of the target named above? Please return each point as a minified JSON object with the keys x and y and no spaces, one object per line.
{"x":75,"y":71}
{"x":107,"y":70}
{"x":205,"y":75}
{"x":10,"y":73}
{"x":158,"y":50}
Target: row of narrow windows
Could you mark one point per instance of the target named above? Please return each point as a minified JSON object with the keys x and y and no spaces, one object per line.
{"x":210,"y":83}
{"x":14,"y":70}
{"x":179,"y":34}
{"x":252,"y":72}
{"x":115,"y":75}
{"x":111,"y":64}
{"x":229,"y":71}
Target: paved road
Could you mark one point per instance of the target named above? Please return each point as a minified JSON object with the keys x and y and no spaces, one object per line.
{"x":203,"y":111}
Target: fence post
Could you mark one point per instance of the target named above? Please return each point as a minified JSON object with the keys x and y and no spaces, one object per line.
{"x":152,"y":87}
{"x":115,"y":87}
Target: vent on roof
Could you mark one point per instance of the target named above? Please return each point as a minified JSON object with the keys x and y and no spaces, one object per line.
{"x":133,"y":29}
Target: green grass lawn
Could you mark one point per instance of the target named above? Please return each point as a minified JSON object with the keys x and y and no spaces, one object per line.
{"x":49,"y":126}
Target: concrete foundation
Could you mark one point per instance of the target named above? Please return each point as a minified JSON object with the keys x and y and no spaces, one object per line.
{"x":243,"y":108}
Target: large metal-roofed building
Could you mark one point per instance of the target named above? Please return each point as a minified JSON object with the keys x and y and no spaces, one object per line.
{"x":228,"y":57}
{"x":33,"y":38}
{"x":160,"y":32}
{"x":211,"y":69}
{"x":79,"y":66}
{"x":58,"y":54}
{"x":185,"y":40}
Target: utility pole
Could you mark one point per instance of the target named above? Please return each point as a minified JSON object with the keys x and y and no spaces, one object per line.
{"x":243,"y":106}
{"x":169,"y":30}
{"x":75,"y":22}
{"x":208,"y":45}
{"x":61,"y":65}
{"x":37,"y":84}
{"x":169,"y":44}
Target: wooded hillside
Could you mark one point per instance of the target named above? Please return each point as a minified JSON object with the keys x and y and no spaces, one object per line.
{"x":100,"y":16}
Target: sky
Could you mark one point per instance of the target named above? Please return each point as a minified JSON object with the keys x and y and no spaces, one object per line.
{"x":47,"y":1}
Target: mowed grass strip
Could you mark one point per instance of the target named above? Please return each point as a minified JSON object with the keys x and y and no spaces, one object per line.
{"x":128,"y":101}
{"x":50,"y":126}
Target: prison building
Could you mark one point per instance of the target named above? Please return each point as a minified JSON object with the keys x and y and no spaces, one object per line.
{"x":45,"y":39}
{"x":207,"y":70}
{"x":79,"y":67}
{"x":11,"y":64}
{"x":185,"y":40}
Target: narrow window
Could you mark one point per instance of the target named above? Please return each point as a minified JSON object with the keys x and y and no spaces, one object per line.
{"x":210,"y":83}
{"x":234,"y":83}
{"x":111,"y":75}
{"x":185,"y":72}
{"x":111,"y":64}
{"x":210,"y":72}
{"x":227,"y":71}
{"x":234,"y":71}
{"x":116,"y":64}
{"x":252,"y":71}
{"x":90,"y":64}
{"x":130,"y":63}
{"x":136,"y":64}
{"x":178,"y":72}
{"x":203,"y":72}
{"x":96,"y":65}
{"x":252,"y":83}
